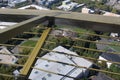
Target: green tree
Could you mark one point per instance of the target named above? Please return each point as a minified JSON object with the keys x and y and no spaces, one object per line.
{"x":22,"y":60}
{"x":26,"y":51}
{"x":116,"y":69}
{"x":103,"y":65}
{"x":114,"y":10}
{"x":92,"y":46}
{"x":105,"y":1}
{"x":79,"y":44}
{"x":6,"y":69}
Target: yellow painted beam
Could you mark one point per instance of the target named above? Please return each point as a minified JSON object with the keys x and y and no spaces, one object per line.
{"x":35,"y":52}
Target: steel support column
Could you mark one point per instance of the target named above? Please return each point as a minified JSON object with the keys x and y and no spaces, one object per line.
{"x":34,"y":53}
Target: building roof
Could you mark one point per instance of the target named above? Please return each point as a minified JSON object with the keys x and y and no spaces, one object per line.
{"x":18,"y":1}
{"x":64,"y":32}
{"x":111,"y":14}
{"x":87,"y":10}
{"x":111,"y":57}
{"x":101,"y":76}
{"x":7,"y":58}
{"x":34,"y":6}
{"x":58,"y":67}
{"x":68,"y":5}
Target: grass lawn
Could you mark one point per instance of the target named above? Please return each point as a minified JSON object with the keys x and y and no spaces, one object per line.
{"x":29,"y":43}
{"x":117,"y":48}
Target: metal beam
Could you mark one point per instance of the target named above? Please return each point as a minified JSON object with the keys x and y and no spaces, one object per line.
{"x":15,"y":18}
{"x":87,"y":21}
{"x":20,"y":28}
{"x":97,"y":25}
{"x":64,"y":15}
{"x":34,"y":53}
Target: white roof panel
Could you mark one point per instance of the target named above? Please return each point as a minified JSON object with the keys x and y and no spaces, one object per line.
{"x":58,"y":67}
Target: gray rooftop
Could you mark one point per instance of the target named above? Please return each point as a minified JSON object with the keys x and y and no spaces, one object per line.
{"x":58,"y":67}
{"x":101,"y":76}
{"x":111,"y":57}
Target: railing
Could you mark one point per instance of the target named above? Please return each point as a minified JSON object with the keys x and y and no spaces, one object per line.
{"x":29,"y":65}
{"x":29,"y":19}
